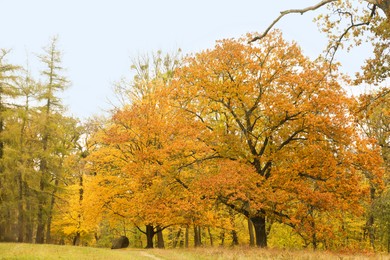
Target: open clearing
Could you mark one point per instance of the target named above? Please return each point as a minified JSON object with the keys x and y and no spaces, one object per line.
{"x":33,"y":251}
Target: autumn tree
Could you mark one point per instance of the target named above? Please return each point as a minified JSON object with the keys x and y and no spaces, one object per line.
{"x":35,"y":140}
{"x":68,"y":218}
{"x":65,"y":153}
{"x":281,"y":130}
{"x":7,"y":91}
{"x":374,"y":120}
{"x":372,"y":110}
{"x":147,"y":152}
{"x":381,"y":211}
{"x":20,"y":147}
{"x":149,"y":72}
{"x":347,"y":23}
{"x":54,"y":83}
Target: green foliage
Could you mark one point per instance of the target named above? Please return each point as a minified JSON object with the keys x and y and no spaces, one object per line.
{"x":29,"y":251}
{"x":381,"y":211}
{"x":283,"y":236}
{"x":36,"y":138}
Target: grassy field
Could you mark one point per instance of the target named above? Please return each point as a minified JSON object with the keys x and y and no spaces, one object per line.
{"x":29,"y":251}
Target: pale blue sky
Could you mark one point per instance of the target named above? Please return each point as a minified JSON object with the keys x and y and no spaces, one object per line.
{"x":100,"y":37}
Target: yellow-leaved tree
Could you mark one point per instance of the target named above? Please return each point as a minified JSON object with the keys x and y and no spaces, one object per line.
{"x":147,"y":155}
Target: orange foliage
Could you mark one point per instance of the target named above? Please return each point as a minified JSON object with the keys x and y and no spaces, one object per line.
{"x":282,"y":125}
{"x":146,"y":156}
{"x":259,"y":128}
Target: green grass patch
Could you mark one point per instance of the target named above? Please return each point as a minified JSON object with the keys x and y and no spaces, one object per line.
{"x":34,"y":251}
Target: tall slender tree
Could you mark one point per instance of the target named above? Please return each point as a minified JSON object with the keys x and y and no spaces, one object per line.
{"x":53,"y":84}
{"x":7,"y":91}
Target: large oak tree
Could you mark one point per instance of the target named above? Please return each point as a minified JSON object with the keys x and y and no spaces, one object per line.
{"x":281,"y":128}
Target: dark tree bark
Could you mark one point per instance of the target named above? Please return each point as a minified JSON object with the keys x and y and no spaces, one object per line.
{"x":76,"y":239}
{"x":197,"y":236}
{"x":50,"y":213}
{"x":40,"y":235}
{"x":210,"y":236}
{"x":260,"y":231}
{"x":234,"y":238}
{"x":233,"y":232}
{"x":222,"y":237}
{"x":21,"y":211}
{"x":370,"y":222}
{"x":186,"y":239}
{"x":149,"y":236}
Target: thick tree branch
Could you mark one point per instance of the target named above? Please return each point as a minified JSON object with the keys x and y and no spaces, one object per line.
{"x":292,"y":137}
{"x":291,"y":11}
{"x":143,"y":232}
{"x":301,"y":174}
{"x":225,"y":201}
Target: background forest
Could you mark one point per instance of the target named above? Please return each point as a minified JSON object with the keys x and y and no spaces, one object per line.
{"x":247,"y":143}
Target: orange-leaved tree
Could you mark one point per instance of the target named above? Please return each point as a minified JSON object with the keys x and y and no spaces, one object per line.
{"x":147,"y":157}
{"x":281,"y":127}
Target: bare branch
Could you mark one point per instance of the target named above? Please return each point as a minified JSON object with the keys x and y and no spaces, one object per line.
{"x":337,"y":44}
{"x":291,"y":11}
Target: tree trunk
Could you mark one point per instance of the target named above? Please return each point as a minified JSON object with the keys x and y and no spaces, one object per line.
{"x":97,"y":237}
{"x":29,"y":220}
{"x":50,"y":213}
{"x":370,"y":230}
{"x":177,"y":238}
{"x":260,"y":231}
{"x":313,"y":227}
{"x":222,"y":237}
{"x":149,"y":236}
{"x":388,"y":238}
{"x":314,"y":240}
{"x":197,"y":236}
{"x":234,"y":238}
{"x":370,"y":222}
{"x":186,"y":237}
{"x":21,"y":219}
{"x":251,"y":234}
{"x":2,"y":229}
{"x":210,"y":236}
{"x":40,"y":236}
{"x":233,"y":232}
{"x":160,"y":238}
{"x":2,"y":187}
{"x":76,"y":239}
{"x":200,"y":235}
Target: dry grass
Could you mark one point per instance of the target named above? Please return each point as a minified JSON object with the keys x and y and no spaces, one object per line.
{"x":31,"y":251}
{"x":247,"y":253}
